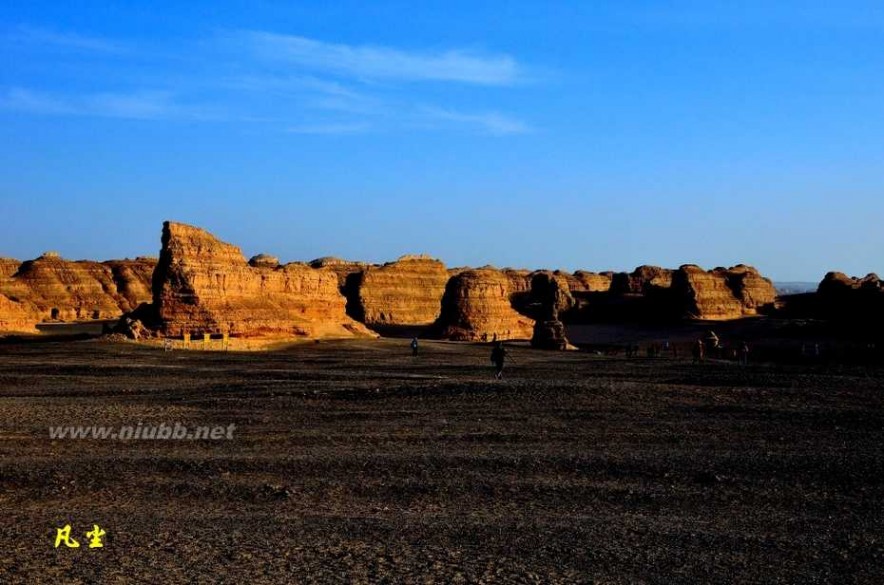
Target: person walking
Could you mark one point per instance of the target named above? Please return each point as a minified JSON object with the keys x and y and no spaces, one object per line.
{"x":699,"y":351}
{"x":414,"y":346}
{"x":498,"y":358}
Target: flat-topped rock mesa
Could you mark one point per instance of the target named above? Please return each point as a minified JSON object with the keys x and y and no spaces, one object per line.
{"x":51,"y":288}
{"x":582,"y":281}
{"x":705,"y":294}
{"x":615,"y":297}
{"x":342,"y":268}
{"x":519,"y":279}
{"x":644,"y":280}
{"x":838,"y":283}
{"x":476,"y":306}
{"x":850,"y":299}
{"x":8,"y":267}
{"x":204,"y":285}
{"x":406,"y":292}
{"x":721,"y":294}
{"x":19,"y":317}
{"x":756,"y":292}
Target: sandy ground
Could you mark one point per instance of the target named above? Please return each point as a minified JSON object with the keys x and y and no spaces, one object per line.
{"x":353,"y":462}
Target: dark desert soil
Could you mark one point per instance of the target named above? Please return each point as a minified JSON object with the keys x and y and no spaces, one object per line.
{"x":353,"y":462}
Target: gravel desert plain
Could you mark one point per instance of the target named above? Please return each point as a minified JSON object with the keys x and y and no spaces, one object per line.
{"x":382,"y":292}
{"x":353,"y":461}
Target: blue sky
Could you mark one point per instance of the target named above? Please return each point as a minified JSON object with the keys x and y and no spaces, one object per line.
{"x":594,"y":135}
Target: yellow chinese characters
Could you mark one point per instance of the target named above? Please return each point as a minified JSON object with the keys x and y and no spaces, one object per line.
{"x":63,"y":536}
{"x":95,"y":536}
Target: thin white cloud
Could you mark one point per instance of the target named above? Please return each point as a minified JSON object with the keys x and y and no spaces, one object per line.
{"x":140,"y":105}
{"x":490,"y":122}
{"x":24,"y":100}
{"x":384,"y":63}
{"x":65,"y":40}
{"x":272,"y":79}
{"x":312,"y":91}
{"x":143,"y":105}
{"x":290,"y":83}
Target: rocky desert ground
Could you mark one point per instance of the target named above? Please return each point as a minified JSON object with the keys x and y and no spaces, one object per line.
{"x":354,"y":462}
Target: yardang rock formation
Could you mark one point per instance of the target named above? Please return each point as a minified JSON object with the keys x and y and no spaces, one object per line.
{"x":51,"y":288}
{"x":476,"y":306}
{"x":401,"y":293}
{"x":204,"y":285}
{"x":721,"y":293}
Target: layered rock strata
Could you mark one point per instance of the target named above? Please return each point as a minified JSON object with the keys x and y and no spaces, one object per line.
{"x":476,"y":306}
{"x":721,"y":293}
{"x":551,"y":296}
{"x":406,"y":292}
{"x":204,"y":285}
{"x":51,"y":288}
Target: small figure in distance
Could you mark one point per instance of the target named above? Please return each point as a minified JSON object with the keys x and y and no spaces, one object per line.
{"x":744,"y":354}
{"x":414,"y":346}
{"x":713,"y":345}
{"x":498,"y":357}
{"x":699,"y":351}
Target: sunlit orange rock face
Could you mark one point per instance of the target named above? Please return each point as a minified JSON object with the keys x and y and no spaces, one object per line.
{"x":344,"y":269}
{"x":754,"y":291}
{"x":51,"y":288}
{"x":402,"y":293}
{"x":476,"y":306}
{"x":721,"y":293}
{"x":583,"y":281}
{"x":17,"y":316}
{"x":204,"y":285}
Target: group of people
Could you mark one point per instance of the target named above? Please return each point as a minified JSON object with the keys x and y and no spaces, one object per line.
{"x":653,"y":350}
{"x":711,"y":346}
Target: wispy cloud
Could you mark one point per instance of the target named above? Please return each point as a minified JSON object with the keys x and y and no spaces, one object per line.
{"x":24,"y":100}
{"x":287,"y":83}
{"x":144,"y":105}
{"x":66,"y":40}
{"x":315,"y":92}
{"x":489,"y":122}
{"x":384,"y":63}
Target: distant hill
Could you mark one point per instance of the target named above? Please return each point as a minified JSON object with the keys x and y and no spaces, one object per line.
{"x":794,"y":288}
